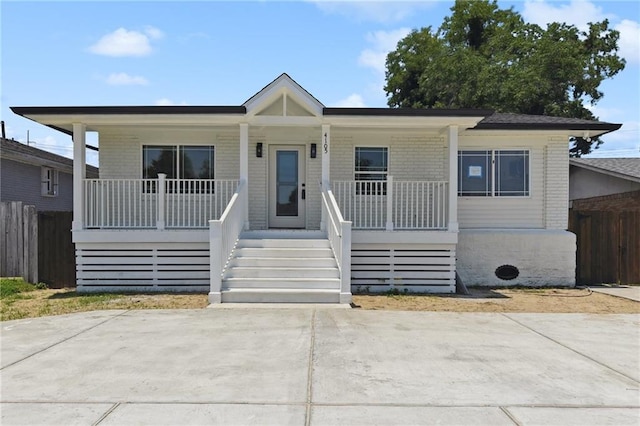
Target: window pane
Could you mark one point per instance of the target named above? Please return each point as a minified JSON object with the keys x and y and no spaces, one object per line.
{"x":512,"y":173}
{"x":287,"y":183}
{"x":371,"y":160}
{"x":196,"y":162}
{"x":158,"y":159}
{"x":474,"y":173}
{"x":371,"y":164}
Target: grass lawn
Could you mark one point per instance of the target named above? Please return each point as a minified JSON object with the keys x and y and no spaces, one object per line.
{"x":19,"y":299}
{"x":24,"y":300}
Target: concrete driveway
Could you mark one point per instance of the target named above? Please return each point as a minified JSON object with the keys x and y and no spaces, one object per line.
{"x":320,"y":367}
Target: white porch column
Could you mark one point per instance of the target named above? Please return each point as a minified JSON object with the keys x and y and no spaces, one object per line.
{"x":453,"y":178}
{"x":244,"y":169}
{"x":79,"y":173}
{"x":325,"y":146}
{"x":325,"y":142}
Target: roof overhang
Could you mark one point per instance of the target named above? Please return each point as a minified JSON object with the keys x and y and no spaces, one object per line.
{"x":571,"y":130}
{"x":95,"y":117}
{"x":404,"y":117}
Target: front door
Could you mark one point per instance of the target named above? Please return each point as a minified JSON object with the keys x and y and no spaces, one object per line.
{"x":287,"y":190}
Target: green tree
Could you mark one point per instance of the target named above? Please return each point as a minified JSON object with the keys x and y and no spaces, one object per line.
{"x":486,"y":57}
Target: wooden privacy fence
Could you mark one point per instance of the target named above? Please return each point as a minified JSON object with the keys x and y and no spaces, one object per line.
{"x":56,"y":252}
{"x":608,"y":246}
{"x":36,"y":246}
{"x":19,"y":241}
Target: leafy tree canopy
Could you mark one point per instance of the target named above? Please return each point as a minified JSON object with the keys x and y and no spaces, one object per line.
{"x":486,"y":57}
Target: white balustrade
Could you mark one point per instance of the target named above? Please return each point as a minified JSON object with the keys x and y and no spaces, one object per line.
{"x":339,"y":235}
{"x":191,"y":203}
{"x":223,"y":237}
{"x":420,"y":205}
{"x":393,"y":204}
{"x":155,"y":203}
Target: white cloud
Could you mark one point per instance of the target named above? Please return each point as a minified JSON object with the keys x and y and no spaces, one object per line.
{"x":377,"y":11}
{"x":576,"y":12}
{"x":629,"y":40}
{"x":354,"y":100}
{"x":124,"y":79}
{"x":168,"y":102}
{"x":382,"y":43}
{"x":624,"y":142}
{"x":123,"y":42}
{"x":153,"y":32}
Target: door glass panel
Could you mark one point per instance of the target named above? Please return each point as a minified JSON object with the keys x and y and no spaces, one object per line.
{"x":287,"y":183}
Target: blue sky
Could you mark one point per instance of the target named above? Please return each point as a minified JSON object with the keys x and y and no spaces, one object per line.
{"x":221,"y":53}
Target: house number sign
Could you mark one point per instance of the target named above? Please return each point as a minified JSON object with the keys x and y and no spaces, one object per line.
{"x":326,"y":144}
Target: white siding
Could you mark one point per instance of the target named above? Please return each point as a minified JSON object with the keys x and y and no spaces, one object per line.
{"x":512,"y":212}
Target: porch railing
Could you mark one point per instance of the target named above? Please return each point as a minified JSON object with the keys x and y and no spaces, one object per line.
{"x":223,"y":236}
{"x":339,"y":235}
{"x":155,"y":203}
{"x":391,"y":204}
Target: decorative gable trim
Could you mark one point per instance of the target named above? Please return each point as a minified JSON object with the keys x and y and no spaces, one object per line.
{"x":282,"y":88}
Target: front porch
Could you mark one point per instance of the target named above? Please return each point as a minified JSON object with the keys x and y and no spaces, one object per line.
{"x":178,"y":235}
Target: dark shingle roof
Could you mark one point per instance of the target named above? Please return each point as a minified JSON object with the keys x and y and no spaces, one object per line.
{"x":508,"y":121}
{"x":407,"y":112}
{"x":623,"y":167}
{"x":15,"y":150}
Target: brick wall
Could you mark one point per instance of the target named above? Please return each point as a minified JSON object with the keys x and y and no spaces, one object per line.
{"x":121,"y":151}
{"x":626,"y":201}
{"x":412,"y":156}
{"x":556,"y":184}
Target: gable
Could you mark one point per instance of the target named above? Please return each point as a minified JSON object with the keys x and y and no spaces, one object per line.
{"x":283,"y":97}
{"x":285,"y":106}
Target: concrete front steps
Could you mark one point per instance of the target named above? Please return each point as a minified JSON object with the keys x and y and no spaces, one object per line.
{"x":282,"y":267}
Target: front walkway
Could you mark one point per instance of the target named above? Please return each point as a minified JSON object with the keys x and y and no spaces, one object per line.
{"x":624,"y":291}
{"x":320,"y":366}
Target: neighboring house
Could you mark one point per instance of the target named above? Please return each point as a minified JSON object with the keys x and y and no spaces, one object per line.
{"x":604,"y":196}
{"x":37,"y":177}
{"x":595,"y":177}
{"x":310,"y":203}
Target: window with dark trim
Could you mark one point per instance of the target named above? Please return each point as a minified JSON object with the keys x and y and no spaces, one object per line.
{"x":493,"y":173}
{"x":180,"y":162}
{"x":371,"y":169}
{"x":49,"y":182}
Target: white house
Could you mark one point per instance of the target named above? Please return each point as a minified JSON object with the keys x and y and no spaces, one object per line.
{"x":284,"y":199}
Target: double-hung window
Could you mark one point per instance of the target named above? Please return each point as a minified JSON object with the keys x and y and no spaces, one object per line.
{"x":179,"y":162}
{"x":49,"y":182}
{"x":371,"y":168}
{"x":493,"y":173}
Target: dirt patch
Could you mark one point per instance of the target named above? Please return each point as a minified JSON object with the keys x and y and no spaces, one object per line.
{"x":505,"y":300}
{"x":37,"y":303}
